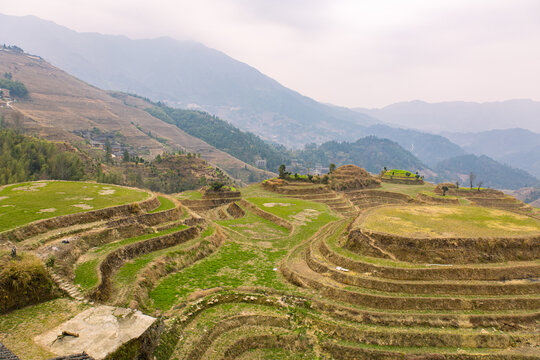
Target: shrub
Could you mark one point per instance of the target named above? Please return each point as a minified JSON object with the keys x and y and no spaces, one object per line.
{"x":50,"y":261}
{"x":216,"y":186}
{"x":23,"y":281}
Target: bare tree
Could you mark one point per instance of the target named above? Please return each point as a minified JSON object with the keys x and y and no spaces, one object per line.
{"x":472,"y":177}
{"x":480,"y":185}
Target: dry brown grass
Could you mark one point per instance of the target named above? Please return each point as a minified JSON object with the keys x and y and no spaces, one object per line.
{"x":449,"y":221}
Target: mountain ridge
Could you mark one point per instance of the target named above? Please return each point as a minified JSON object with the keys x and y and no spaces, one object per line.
{"x":460,"y":116}
{"x":59,"y":104}
{"x":183,"y":74}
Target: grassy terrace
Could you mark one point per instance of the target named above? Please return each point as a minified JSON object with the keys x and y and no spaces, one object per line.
{"x":236,"y":296}
{"x":26,"y":202}
{"x":400,"y":174}
{"x":449,"y":221}
{"x":251,"y":258}
{"x":189,"y":195}
{"x":332,"y":243}
{"x":128,"y":272}
{"x":253,"y":226}
{"x":87,"y":268}
{"x":165,"y":204}
{"x":411,"y":190}
{"x":461,"y":199}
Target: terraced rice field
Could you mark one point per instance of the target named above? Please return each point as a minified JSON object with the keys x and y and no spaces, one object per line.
{"x":27,"y":202}
{"x":304,"y":274}
{"x":448,"y":221}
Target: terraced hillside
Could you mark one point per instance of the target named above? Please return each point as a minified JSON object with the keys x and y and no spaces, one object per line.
{"x":294,"y":270}
{"x":60,"y":107}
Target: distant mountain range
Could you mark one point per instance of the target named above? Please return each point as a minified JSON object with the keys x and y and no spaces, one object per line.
{"x":516,"y":147}
{"x":429,"y":148}
{"x":488,"y":171}
{"x":460,"y":116}
{"x":371,"y":153}
{"x":186,"y":74}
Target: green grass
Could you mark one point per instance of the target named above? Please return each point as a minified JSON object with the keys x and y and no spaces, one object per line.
{"x":473,"y":189}
{"x":400,"y":174}
{"x":256,"y":190}
{"x":86,"y":272}
{"x":432,"y":194}
{"x":114,"y":245}
{"x":165,"y":204}
{"x":24,"y":203}
{"x":254,"y":226}
{"x":189,"y":195}
{"x":468,"y":221}
{"x":419,"y":350}
{"x":287,"y":208}
{"x":248,"y":261}
{"x":127,"y":273}
{"x":411,"y":190}
{"x":283,"y":354}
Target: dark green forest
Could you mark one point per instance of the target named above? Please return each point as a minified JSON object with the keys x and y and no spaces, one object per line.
{"x":16,"y":88}
{"x":245,"y":146}
{"x":371,"y":153}
{"x":24,"y":158}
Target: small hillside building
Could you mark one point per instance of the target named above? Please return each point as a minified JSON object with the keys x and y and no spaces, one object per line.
{"x":4,"y":93}
{"x":261,"y":164}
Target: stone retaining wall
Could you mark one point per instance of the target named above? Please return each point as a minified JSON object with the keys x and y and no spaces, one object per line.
{"x":118,"y":257}
{"x":403,"y":181}
{"x":436,"y":200}
{"x":449,"y":250}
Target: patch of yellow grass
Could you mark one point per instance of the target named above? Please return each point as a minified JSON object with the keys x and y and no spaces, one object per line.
{"x":449,"y":221}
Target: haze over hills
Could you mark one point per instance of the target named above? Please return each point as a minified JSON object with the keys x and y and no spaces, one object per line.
{"x":460,"y":116}
{"x":186,"y":74}
{"x":189,"y":74}
{"x":488,"y":171}
{"x":516,"y":147}
{"x":372,"y":153}
{"x":61,"y":105}
{"x":429,"y":148}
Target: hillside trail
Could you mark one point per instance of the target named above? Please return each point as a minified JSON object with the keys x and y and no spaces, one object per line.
{"x":67,"y":286}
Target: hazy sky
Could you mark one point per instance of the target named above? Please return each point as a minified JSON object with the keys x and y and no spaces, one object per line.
{"x":365,"y":53}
